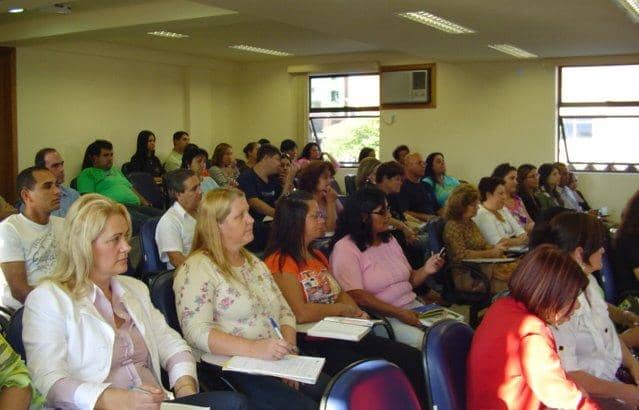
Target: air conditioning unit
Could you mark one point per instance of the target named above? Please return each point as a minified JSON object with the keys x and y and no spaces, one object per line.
{"x":405,"y":87}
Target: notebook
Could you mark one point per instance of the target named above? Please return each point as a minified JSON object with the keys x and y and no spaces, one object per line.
{"x":433,"y":313}
{"x":180,"y":406}
{"x":304,"y":369}
{"x":343,"y":328}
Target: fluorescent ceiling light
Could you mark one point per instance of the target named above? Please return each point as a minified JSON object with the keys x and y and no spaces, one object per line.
{"x":261,"y":50}
{"x":632,"y":7}
{"x":437,"y":22}
{"x":15,"y":10}
{"x":513,"y":51}
{"x":168,"y":34}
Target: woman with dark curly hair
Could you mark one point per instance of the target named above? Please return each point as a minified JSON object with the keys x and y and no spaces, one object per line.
{"x":315,"y":179}
{"x":548,"y":195}
{"x":312,"y":151}
{"x":435,"y":176}
{"x":527,"y":187}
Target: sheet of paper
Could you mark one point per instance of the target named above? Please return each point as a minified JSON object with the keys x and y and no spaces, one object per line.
{"x":336,"y":330}
{"x":304,"y":369}
{"x":180,"y":406}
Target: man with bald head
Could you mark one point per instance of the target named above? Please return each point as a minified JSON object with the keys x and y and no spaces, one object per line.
{"x":416,"y":198}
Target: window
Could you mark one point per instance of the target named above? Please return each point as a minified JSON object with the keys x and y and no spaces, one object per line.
{"x":344,"y":114}
{"x":598,"y":123}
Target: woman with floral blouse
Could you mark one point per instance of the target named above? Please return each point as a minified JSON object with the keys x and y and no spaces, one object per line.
{"x":226,"y":296}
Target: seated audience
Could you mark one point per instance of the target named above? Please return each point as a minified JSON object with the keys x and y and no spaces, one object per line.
{"x":527,"y":188}
{"x":51,"y":159}
{"x":6,"y":209}
{"x":400,"y":152}
{"x":415,"y":197}
{"x":494,"y":221}
{"x":194,"y":159}
{"x":365,"y":153}
{"x":589,"y":347}
{"x":312,"y":151}
{"x":226,"y":297}
{"x":366,"y":172}
{"x":303,"y":276}
{"x":513,"y":361}
{"x":101,"y":177}
{"x":464,"y":240}
{"x":144,"y":159}
{"x":174,"y":161}
{"x":289,"y":147}
{"x":626,"y":247}
{"x":262,"y":188}
{"x":250,"y":152}
{"x":315,"y":179}
{"x":570,"y":197}
{"x":16,"y":389}
{"x":28,"y":240}
{"x":581,"y":199}
{"x":513,"y":204}
{"x":105,"y":342}
{"x":435,"y":176}
{"x":174,"y":232}
{"x":369,"y":264}
{"x":224,"y":171}
{"x":548,"y":194}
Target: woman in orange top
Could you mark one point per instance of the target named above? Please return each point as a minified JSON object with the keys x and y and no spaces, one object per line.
{"x":513,"y":361}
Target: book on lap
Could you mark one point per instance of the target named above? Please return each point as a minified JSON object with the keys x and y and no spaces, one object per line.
{"x":304,"y":369}
{"x":433,"y":313}
{"x":343,"y":328}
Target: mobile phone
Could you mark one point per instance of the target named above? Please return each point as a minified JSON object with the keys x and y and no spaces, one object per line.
{"x":442,"y":252}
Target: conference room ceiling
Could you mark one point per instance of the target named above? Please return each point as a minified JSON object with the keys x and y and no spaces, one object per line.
{"x":548,"y":28}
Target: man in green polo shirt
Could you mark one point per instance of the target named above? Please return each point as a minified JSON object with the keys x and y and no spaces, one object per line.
{"x":101,"y":177}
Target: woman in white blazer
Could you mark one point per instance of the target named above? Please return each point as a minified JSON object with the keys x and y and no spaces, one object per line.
{"x":93,"y":339}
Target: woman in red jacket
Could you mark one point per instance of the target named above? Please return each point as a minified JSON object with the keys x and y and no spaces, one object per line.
{"x":513,"y":361}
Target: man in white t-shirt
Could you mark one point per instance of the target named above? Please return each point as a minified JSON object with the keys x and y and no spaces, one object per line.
{"x":174,"y":233}
{"x":28,"y":240}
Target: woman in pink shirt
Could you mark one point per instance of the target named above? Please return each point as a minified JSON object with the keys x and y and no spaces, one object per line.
{"x":369,"y":264}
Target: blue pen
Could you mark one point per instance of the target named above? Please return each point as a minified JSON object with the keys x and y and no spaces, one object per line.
{"x":276,"y":328}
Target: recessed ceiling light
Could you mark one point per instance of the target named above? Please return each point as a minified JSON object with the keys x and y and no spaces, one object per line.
{"x":513,"y":51}
{"x":437,"y":22}
{"x":261,"y":50}
{"x":168,"y":34}
{"x":632,"y":7}
{"x":15,"y":10}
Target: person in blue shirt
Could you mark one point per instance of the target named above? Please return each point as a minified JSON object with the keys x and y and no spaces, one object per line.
{"x":435,"y":176}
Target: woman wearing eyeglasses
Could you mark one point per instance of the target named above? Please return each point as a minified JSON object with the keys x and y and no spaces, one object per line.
{"x":527,"y":187}
{"x":369,"y":264}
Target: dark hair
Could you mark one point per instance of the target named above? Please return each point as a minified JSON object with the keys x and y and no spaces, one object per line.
{"x":39,"y":157}
{"x":547,"y":281}
{"x":306,"y":151}
{"x":544,"y":172}
{"x":263,"y":141}
{"x":539,"y":233}
{"x":289,"y":224}
{"x":502,"y":170}
{"x":355,"y":219}
{"x":629,"y":219}
{"x":142,"y":145}
{"x":218,"y":153}
{"x":365,"y":153}
{"x":191,"y":152}
{"x":249,"y":147}
{"x":309,"y":176}
{"x":267,"y":150}
{"x":287,"y":145}
{"x":93,"y":150}
{"x":389,"y":170}
{"x":570,"y":230}
{"x":522,"y":174}
{"x":178,"y":134}
{"x":26,"y":180}
{"x":175,"y":180}
{"x":399,"y":149}
{"x":488,"y":185}
{"x":428,"y":172}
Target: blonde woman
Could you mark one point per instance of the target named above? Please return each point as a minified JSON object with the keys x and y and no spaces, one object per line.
{"x":226,"y":297}
{"x":92,"y":337}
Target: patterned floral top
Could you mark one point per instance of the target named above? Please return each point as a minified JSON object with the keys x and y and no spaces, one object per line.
{"x":207,"y":299}
{"x":518,"y":210}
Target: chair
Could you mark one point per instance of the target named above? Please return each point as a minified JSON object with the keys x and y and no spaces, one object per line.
{"x":370,"y":384}
{"x":444,"y":351}
{"x":608,"y":279}
{"x":74,"y":183}
{"x":126,"y":168}
{"x":146,"y":186}
{"x":163,"y":298}
{"x":150,"y":262}
{"x":349,"y":184}
{"x":336,"y":187}
{"x":14,"y":334}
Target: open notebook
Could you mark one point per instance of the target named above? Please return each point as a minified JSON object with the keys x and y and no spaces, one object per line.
{"x":304,"y":369}
{"x":343,"y":328}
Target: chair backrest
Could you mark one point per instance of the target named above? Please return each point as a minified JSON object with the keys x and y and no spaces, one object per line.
{"x":150,"y":258}
{"x":607,"y":273}
{"x":446,"y":346}
{"x":14,"y":334}
{"x":372,"y":384}
{"x":126,"y":168}
{"x":145,"y":184}
{"x":435,"y":231}
{"x":74,"y":183}
{"x":336,"y":187}
{"x":163,"y":298}
{"x":349,"y":184}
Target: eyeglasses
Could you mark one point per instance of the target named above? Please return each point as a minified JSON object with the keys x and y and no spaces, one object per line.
{"x":381,"y":212}
{"x":317,"y":216}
